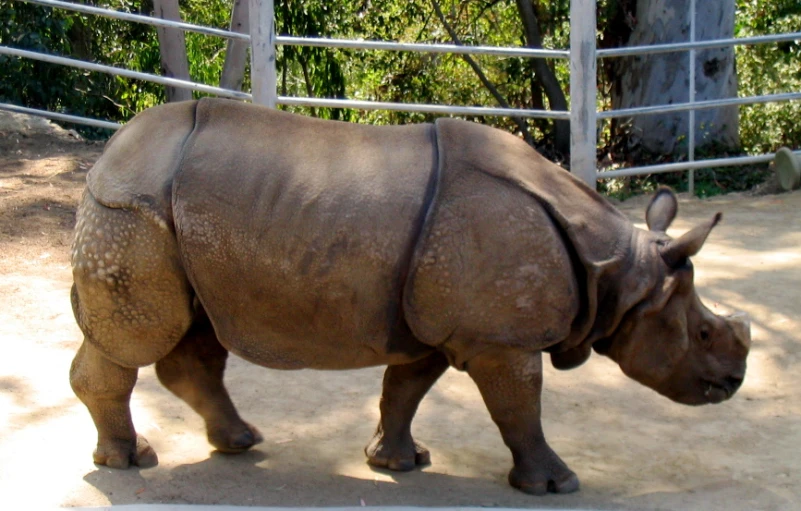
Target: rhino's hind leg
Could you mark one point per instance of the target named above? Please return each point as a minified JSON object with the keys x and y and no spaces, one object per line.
{"x":510,"y":382}
{"x":405,"y":385}
{"x":193,"y":371}
{"x":133,"y":303}
{"x":105,"y":388}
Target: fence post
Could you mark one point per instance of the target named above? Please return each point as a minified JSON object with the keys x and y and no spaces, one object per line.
{"x":262,"y":52}
{"x":236,"y":51}
{"x":691,"y":113}
{"x":172,"y":45}
{"x":583,"y":64}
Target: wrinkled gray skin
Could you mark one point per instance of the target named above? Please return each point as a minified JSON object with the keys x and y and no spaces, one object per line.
{"x":212,"y":226}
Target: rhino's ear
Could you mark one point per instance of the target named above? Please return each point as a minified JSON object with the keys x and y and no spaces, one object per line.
{"x":662,"y":210}
{"x":676,"y":252}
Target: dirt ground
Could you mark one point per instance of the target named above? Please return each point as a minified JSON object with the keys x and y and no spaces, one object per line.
{"x":631,"y":448}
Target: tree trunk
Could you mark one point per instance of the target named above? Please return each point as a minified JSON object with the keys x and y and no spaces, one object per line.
{"x":236,"y":51}
{"x":664,"y":78}
{"x":545,"y":76}
{"x":172,"y":46}
{"x":522,"y":124}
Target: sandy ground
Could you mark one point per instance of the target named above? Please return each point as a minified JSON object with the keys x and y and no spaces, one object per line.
{"x":631,"y":448}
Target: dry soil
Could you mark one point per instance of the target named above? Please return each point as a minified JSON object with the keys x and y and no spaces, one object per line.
{"x":631,"y":448}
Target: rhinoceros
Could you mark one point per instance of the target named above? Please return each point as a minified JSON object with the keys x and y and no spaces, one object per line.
{"x":213,"y":226}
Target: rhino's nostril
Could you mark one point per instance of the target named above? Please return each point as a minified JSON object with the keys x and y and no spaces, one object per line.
{"x":733,"y":382}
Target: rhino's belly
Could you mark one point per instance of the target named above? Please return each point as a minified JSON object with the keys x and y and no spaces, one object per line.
{"x":298,"y":246}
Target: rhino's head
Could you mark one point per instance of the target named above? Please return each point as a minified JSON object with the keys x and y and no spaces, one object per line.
{"x":670,"y":341}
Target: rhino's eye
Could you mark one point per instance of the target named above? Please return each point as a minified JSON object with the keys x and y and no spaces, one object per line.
{"x":704,"y":335}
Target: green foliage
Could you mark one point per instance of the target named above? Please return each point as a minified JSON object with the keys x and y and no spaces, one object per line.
{"x":717,"y":181}
{"x":33,"y":83}
{"x":383,"y":75}
{"x":439,"y":78}
{"x":103,"y":40}
{"x":303,"y":71}
{"x":762,"y":69}
{"x":769,"y":69}
{"x":309,"y":71}
{"x":206,"y":54}
{"x":74,"y":91}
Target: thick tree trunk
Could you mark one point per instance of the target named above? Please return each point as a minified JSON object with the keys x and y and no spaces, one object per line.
{"x":236,"y":51}
{"x":172,"y":46}
{"x":664,"y":78}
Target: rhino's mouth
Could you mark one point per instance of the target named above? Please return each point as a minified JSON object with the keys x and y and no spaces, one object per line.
{"x":715,"y":392}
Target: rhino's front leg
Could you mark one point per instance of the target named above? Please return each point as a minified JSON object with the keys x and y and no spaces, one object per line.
{"x":510,"y":382}
{"x":405,"y":385}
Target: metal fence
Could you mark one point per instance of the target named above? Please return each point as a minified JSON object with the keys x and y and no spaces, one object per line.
{"x":582,"y":56}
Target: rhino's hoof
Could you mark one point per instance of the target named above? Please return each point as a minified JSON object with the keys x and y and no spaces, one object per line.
{"x":235,"y":442}
{"x":541,"y":482}
{"x":380,"y":455}
{"x":123,"y":454}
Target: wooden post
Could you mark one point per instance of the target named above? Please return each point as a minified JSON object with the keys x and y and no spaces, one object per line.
{"x":236,"y":51}
{"x":172,"y":46}
{"x":262,"y":52}
{"x":583,"y":69}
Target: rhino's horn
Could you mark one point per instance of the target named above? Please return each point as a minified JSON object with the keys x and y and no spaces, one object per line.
{"x":676,"y":252}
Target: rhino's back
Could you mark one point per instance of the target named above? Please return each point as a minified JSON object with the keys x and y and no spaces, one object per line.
{"x":137,"y":166}
{"x":296,"y":233}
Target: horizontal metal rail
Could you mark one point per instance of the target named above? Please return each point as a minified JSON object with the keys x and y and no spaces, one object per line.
{"x":295,"y":101}
{"x":359,"y":44}
{"x":421,"y":47}
{"x":329,"y":103}
{"x":424,"y":108}
{"x":609,"y":174}
{"x":60,"y":117}
{"x":689,"y":165}
{"x":163,"y":80}
{"x":139,"y":18}
{"x":497,"y":51}
{"x":697,"y":45}
{"x":699,"y":105}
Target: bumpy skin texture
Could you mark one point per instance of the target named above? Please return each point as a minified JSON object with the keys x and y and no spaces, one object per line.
{"x":214,"y":226}
{"x":135,"y":302}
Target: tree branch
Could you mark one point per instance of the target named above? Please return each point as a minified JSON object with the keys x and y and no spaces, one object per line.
{"x":306,"y":78}
{"x":485,"y":8}
{"x":521,"y":122}
{"x":545,"y":76}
